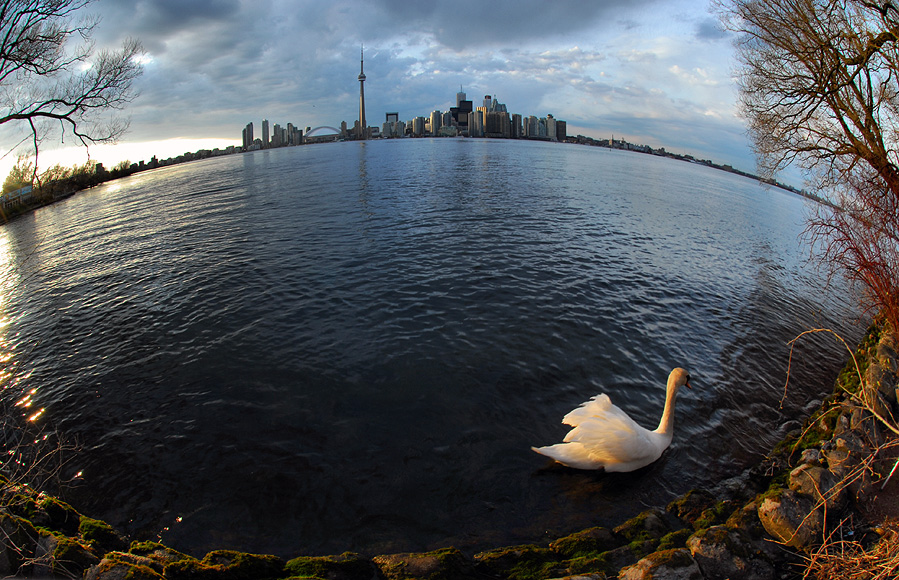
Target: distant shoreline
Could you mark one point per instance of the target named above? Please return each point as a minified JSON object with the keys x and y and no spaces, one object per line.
{"x":50,"y":193}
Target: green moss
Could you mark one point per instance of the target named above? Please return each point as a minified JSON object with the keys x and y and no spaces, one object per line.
{"x":129,"y":569}
{"x":678,"y":558}
{"x":63,"y":518}
{"x":242,"y":566}
{"x":589,"y":542}
{"x":100,"y":536}
{"x":716,"y":514}
{"x":642,"y":548}
{"x":675,"y":539}
{"x":159,"y":553}
{"x":345,"y":566}
{"x":648,"y":525}
{"x":71,"y":558}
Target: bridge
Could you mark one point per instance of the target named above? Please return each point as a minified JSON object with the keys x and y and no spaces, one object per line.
{"x":323,"y":134}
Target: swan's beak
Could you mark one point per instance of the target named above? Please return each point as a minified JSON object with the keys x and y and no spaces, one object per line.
{"x":689,"y":386}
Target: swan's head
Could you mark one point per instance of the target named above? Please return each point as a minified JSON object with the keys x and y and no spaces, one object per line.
{"x":679,"y":378}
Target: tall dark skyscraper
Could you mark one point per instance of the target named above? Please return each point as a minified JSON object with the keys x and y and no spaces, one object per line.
{"x":363,"y":128}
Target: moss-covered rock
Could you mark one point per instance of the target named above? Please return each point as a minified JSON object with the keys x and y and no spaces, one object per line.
{"x":723,"y":552}
{"x":59,"y":555}
{"x":791,"y":518}
{"x":347,"y":566}
{"x":100,"y":536}
{"x":648,"y":525}
{"x":157,"y":553}
{"x":519,"y":562}
{"x":674,"y":540}
{"x":18,"y":539}
{"x":669,"y":564}
{"x":445,"y":564}
{"x":62,"y":517}
{"x":689,"y":507}
{"x":226,"y":565}
{"x":589,"y":542}
{"x":121,"y":566}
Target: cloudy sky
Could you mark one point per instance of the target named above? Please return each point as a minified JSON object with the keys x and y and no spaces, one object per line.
{"x":657,"y":72}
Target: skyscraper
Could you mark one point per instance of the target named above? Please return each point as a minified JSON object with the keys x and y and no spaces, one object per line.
{"x":460,"y":96}
{"x":265,"y":132}
{"x":363,"y":132}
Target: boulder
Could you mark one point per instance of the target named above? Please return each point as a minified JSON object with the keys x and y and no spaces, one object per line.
{"x":819,"y":484}
{"x":57,"y":555}
{"x":121,"y":566}
{"x":665,"y":565}
{"x":445,"y":564}
{"x":722,"y":552}
{"x":100,"y":536}
{"x":347,"y":566}
{"x":690,"y":506}
{"x":18,"y":539}
{"x":791,"y":518}
{"x":587,"y":542}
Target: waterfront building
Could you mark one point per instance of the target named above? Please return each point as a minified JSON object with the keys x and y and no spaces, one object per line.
{"x":436,"y":117}
{"x":392,"y":117}
{"x":476,"y":123}
{"x":248,"y":136}
{"x":460,"y":96}
{"x":418,"y":126}
{"x":516,"y":126}
{"x":561,"y":131}
{"x":550,"y":127}
{"x":265,"y":136}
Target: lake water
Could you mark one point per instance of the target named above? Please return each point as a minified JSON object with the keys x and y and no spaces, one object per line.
{"x":353,"y":346}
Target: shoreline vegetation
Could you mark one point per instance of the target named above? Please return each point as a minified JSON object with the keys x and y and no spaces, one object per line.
{"x":60,"y":183}
{"x":821,"y":504}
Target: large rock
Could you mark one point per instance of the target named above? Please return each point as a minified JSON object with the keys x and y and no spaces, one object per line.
{"x":121,"y":566}
{"x":723,"y":552}
{"x":819,"y":484}
{"x":586,"y":542}
{"x":445,"y":564}
{"x":665,"y":565}
{"x":791,"y":518}
{"x":57,"y":555}
{"x":347,"y":566}
{"x":18,"y":539}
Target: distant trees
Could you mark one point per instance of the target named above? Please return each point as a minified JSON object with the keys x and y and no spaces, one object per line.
{"x":819,"y":86}
{"x":50,"y":78}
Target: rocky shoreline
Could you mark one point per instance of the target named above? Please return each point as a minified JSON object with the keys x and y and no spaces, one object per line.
{"x":760,"y":525}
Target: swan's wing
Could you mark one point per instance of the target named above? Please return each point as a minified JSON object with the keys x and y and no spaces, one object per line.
{"x":609,"y":436}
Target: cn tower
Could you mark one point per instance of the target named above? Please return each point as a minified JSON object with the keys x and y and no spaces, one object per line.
{"x":363,"y":128}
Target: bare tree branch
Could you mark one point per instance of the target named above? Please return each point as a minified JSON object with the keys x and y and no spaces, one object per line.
{"x":46,"y":76}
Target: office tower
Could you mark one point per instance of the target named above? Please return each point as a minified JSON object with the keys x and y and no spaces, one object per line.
{"x":460,"y":96}
{"x":516,"y":126}
{"x":362,"y":126}
{"x":551,"y":127}
{"x":436,"y":117}
{"x":561,"y":130}
{"x":392,"y":117}
{"x":265,"y":139}
{"x":248,"y":138}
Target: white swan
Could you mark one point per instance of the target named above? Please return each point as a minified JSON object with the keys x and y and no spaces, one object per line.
{"x":605,"y":437}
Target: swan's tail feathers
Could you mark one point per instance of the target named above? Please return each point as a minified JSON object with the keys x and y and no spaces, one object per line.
{"x":570,"y":454}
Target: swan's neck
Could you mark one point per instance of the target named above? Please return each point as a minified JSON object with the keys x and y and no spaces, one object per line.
{"x":666,"y":425}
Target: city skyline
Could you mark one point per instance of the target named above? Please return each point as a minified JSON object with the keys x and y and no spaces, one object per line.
{"x":651,"y":72}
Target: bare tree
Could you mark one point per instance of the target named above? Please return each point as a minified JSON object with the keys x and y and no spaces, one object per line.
{"x":50,"y":78}
{"x":819,"y":86}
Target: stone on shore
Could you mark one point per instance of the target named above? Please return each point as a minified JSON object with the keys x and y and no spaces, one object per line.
{"x":667,"y":565}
